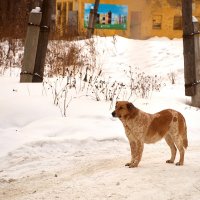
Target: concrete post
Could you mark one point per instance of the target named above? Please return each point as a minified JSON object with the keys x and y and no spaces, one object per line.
{"x":188,"y":47}
{"x":30,"y":48}
{"x":196,"y":84}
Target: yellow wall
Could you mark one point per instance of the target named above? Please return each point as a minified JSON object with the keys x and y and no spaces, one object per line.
{"x":147,"y":10}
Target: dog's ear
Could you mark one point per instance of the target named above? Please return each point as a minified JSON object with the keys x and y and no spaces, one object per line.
{"x":116,"y":103}
{"x":130,"y":106}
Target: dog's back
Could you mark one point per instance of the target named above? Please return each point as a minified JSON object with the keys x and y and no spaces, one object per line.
{"x":167,"y":122}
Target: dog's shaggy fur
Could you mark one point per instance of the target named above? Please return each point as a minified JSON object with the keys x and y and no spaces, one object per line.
{"x":141,"y":127}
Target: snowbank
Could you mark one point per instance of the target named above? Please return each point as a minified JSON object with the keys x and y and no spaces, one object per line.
{"x":82,"y":156}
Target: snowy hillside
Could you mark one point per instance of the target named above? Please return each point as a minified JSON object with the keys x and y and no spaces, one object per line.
{"x":45,"y":156}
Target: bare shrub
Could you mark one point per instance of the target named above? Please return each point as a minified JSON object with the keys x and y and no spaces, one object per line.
{"x":93,"y":84}
{"x":73,"y":64}
{"x":73,"y":56}
{"x":90,"y":83}
{"x":141,"y":84}
{"x":11,"y":54}
{"x":61,"y":56}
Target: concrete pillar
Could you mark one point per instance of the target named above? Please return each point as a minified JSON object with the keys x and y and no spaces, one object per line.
{"x":30,"y":48}
{"x":196,"y":84}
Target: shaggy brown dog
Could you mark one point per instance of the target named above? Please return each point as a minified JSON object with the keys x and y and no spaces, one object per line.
{"x":141,"y":127}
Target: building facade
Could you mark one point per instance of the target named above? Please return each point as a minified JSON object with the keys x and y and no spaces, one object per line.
{"x":128,"y":18}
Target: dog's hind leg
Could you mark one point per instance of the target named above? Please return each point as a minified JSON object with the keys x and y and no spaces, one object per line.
{"x":181,"y":151}
{"x":170,"y":142}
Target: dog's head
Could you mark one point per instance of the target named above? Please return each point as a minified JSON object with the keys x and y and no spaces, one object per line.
{"x":123,"y":109}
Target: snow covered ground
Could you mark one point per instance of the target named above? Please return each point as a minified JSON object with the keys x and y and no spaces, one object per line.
{"x":44,"y":156}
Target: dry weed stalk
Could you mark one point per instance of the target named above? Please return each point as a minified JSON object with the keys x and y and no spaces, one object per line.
{"x":172,"y":77}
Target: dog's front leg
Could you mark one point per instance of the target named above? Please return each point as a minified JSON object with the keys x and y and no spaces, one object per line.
{"x":133,"y":147}
{"x":136,"y":152}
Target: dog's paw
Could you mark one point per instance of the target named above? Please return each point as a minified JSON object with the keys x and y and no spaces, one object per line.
{"x":133,"y":165}
{"x":169,"y":161}
{"x":127,"y":164}
{"x":179,"y":164}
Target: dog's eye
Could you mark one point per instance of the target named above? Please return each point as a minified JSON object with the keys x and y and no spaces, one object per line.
{"x":118,"y":108}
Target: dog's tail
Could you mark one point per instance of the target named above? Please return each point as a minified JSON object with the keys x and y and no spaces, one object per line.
{"x":183,"y":130}
{"x":185,"y":140}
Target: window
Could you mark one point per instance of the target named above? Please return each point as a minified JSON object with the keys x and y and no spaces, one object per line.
{"x":157,"y":22}
{"x":58,"y":8}
{"x":64,"y":15}
{"x":70,"y":6}
{"x":58,"y":13}
{"x":177,"y":22}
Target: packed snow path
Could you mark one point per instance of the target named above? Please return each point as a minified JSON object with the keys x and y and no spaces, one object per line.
{"x":95,"y":170}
